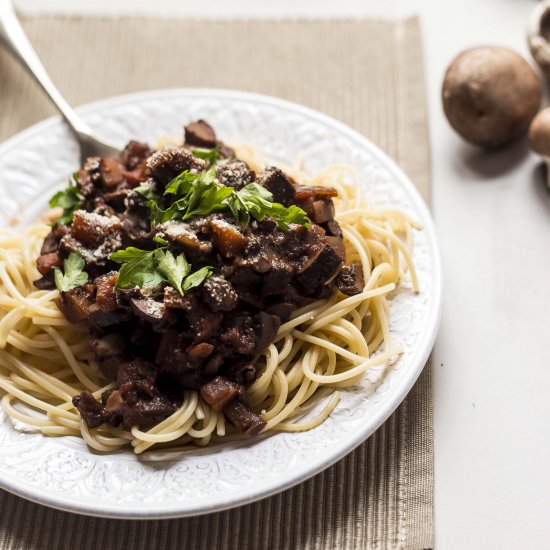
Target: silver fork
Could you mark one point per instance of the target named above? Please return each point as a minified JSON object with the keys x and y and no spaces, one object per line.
{"x":14,"y":39}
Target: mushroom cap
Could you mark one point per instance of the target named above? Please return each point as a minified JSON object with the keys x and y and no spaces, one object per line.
{"x":539,"y":35}
{"x":539,"y":133}
{"x":490,"y":95}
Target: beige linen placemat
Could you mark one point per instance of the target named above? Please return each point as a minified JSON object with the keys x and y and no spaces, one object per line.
{"x":367,"y":74}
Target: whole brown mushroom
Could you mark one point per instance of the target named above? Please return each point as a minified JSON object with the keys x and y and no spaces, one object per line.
{"x":539,"y":137}
{"x":538,"y":36}
{"x":490,"y":96}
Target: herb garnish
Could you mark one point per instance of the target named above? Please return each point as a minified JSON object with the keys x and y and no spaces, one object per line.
{"x":145,"y":268}
{"x":138,"y":267}
{"x":69,"y":200}
{"x":212,"y":156}
{"x":74,"y":274}
{"x":174,"y":268}
{"x":200,"y":194}
{"x":256,"y":201}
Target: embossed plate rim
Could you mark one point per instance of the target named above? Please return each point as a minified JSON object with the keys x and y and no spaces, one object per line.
{"x":398,"y":390}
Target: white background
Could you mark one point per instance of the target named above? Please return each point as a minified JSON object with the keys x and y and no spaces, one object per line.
{"x":492,"y":211}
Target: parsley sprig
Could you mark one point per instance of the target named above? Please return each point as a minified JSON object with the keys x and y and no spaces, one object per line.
{"x":145,"y":268}
{"x":73,"y":275}
{"x":189,"y":195}
{"x":68,"y":199}
{"x":256,"y":201}
{"x":212,"y":156}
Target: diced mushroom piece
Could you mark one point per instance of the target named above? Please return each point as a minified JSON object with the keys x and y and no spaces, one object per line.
{"x":89,"y":177}
{"x":242,"y":374}
{"x":320,"y":269}
{"x":47,"y":262}
{"x":220,"y":391}
{"x":134,"y":153}
{"x":51,"y":242}
{"x":265,"y":327}
{"x":350,"y":280}
{"x":235,"y":174}
{"x":108,"y":346}
{"x":279,"y":185}
{"x":91,"y":410}
{"x":211,"y":367}
{"x":170,"y":355}
{"x":332,"y":228}
{"x":146,"y":412}
{"x":306,"y":205}
{"x":201,"y":351}
{"x":282,"y":310}
{"x":225,"y":151}
{"x":239,"y":335}
{"x":219,"y":294}
{"x":181,"y":234}
{"x":200,"y":134}
{"x":78,"y":303}
{"x":323,"y":210}
{"x":45,"y":283}
{"x":203,"y":322}
{"x":92,"y":229}
{"x":316,"y":192}
{"x":173,"y":299}
{"x":102,"y":319}
{"x":227,"y":238}
{"x":111,"y":171}
{"x":114,"y":402}
{"x":150,"y":310}
{"x":138,"y":372}
{"x":136,"y":176}
{"x":105,"y":291}
{"x":277,"y":280}
{"x":337,"y":244}
{"x":166,"y":164}
{"x":244,"y":419}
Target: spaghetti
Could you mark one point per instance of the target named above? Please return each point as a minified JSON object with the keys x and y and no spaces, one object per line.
{"x":326,"y":346}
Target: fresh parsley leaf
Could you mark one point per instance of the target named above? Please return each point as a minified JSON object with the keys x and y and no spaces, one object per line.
{"x":69,"y":200}
{"x":138,"y":267}
{"x":74,"y":274}
{"x":158,"y":215}
{"x":254,"y":192}
{"x":201,"y":195}
{"x":181,"y":184}
{"x":144,"y":268}
{"x":160,"y":240}
{"x":205,"y":198}
{"x":195,"y":279}
{"x":210,"y":155}
{"x":146,"y":191}
{"x":238,"y":209}
{"x":174,"y":268}
{"x":258,"y":202}
{"x":285,"y":216}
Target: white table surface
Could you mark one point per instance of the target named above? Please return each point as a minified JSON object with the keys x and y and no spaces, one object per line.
{"x":492,"y":357}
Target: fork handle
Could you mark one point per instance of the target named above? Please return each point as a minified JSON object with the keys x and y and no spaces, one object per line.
{"x":13,"y":37}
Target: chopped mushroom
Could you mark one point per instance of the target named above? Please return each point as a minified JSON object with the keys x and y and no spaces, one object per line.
{"x":220,"y":391}
{"x":243,"y":418}
{"x":200,"y":134}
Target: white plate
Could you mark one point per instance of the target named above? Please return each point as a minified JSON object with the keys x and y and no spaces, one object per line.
{"x":63,"y":472}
